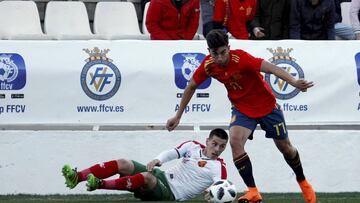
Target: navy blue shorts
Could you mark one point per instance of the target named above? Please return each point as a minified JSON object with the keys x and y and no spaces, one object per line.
{"x":273,"y":124}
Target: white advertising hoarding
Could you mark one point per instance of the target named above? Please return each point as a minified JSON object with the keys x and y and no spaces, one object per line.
{"x":140,"y":82}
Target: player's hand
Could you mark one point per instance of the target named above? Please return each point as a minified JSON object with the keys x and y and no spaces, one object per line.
{"x":303,"y":85}
{"x":258,"y":32}
{"x":172,"y":123}
{"x":207,"y":196}
{"x":150,"y":166}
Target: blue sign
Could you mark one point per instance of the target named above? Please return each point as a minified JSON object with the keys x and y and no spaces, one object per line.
{"x":357,"y":61}
{"x":185,"y":65}
{"x":12,"y":72}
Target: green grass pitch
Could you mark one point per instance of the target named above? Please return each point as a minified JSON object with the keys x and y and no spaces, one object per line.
{"x":348,"y":197}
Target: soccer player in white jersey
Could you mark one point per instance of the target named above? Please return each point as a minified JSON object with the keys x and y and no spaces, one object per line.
{"x":199,"y":168}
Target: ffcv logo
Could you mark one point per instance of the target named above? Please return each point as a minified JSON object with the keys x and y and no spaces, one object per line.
{"x":12,"y":72}
{"x":185,"y":65}
{"x":281,"y":89}
{"x":100,"y":78}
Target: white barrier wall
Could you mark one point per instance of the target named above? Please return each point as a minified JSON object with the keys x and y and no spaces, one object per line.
{"x":31,"y":161}
{"x":140,"y":82}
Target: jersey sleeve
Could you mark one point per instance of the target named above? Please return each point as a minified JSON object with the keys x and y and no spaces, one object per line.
{"x":168,"y":155}
{"x":252,"y":63}
{"x":193,"y":25}
{"x":153,"y":17}
{"x":200,"y":74}
{"x":175,"y":153}
{"x":183,"y":148}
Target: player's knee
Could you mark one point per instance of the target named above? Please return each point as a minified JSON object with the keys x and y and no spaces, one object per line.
{"x":237,"y":141}
{"x":286,"y":152}
{"x":149,"y":179}
{"x":239,"y":135}
{"x":125,"y":166}
{"x":285,"y":147}
{"x":237,"y":146}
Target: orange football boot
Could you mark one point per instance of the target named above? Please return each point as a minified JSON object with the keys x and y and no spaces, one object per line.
{"x":251,"y":196}
{"x":308,"y":192}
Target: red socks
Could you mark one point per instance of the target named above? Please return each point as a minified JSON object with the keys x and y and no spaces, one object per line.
{"x":111,"y":168}
{"x":105,"y":170}
{"x":129,"y":183}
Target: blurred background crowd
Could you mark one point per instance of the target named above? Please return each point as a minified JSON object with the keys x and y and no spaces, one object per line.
{"x":187,"y":19}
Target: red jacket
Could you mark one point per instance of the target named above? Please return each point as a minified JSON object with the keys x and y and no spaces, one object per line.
{"x":165,"y":22}
{"x":235,"y":15}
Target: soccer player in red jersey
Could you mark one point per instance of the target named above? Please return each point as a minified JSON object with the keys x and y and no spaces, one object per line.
{"x":252,"y":103}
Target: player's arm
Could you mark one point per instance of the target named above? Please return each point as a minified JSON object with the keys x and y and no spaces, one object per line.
{"x":301,"y":83}
{"x":169,"y":155}
{"x":187,"y":95}
{"x":163,"y":157}
{"x":217,"y":175}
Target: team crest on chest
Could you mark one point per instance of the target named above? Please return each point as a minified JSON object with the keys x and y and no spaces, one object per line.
{"x":248,"y":10}
{"x":202,"y":163}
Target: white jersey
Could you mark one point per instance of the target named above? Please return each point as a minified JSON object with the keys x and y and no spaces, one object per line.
{"x":195,"y":173}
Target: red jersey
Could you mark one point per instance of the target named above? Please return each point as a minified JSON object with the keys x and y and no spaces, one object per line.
{"x":235,"y":14}
{"x":247,"y":90}
{"x":165,"y":22}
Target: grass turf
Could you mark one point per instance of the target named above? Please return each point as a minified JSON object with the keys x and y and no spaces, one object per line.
{"x":350,"y":197}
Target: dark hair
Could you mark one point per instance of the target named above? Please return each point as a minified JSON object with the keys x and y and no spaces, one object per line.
{"x":219,"y":132}
{"x":217,"y":38}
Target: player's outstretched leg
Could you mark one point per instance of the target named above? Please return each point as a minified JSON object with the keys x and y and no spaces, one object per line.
{"x":70,"y":175}
{"x":251,"y":196}
{"x":93,"y":182}
{"x":308,"y":192}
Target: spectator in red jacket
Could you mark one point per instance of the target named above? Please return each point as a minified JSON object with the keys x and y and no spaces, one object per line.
{"x":233,"y":15}
{"x":173,"y":19}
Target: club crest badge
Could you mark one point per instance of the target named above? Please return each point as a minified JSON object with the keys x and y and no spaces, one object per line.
{"x":100,"y":79}
{"x":202,"y":163}
{"x":281,"y":89}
